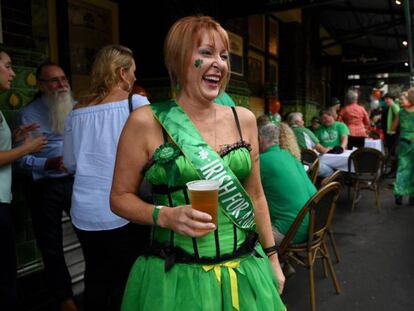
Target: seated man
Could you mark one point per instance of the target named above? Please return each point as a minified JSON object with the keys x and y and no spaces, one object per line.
{"x":307,"y":140}
{"x":285,"y":183}
{"x":305,"y":137}
{"x":332,"y":133}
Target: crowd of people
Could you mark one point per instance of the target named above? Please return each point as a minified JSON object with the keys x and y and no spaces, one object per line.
{"x":346,"y":127}
{"x":91,"y":156}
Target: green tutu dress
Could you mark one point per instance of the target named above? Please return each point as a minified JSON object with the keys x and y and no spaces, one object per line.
{"x":234,"y":281}
{"x":404,"y":182}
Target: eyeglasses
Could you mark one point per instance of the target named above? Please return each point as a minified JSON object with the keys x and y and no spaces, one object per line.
{"x":55,"y":80}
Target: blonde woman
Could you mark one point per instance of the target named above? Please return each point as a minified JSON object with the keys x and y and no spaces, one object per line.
{"x":287,"y":140}
{"x":193,"y":263}
{"x":110,"y":243}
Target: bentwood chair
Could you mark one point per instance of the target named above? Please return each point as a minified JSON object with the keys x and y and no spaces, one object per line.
{"x":320,"y":208}
{"x":313,"y":171}
{"x":311,"y":159}
{"x":336,"y":176}
{"x":308,"y":156}
{"x":367,"y":164}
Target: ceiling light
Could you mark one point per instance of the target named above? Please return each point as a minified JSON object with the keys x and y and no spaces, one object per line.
{"x":405,"y":43}
{"x":354,"y":77}
{"x":406,"y":64}
{"x":397,"y":2}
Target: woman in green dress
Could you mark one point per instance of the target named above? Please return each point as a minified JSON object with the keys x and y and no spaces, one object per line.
{"x":404,"y":183}
{"x":192,"y":263}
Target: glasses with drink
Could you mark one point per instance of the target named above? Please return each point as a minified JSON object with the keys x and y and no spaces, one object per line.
{"x":204,"y":196}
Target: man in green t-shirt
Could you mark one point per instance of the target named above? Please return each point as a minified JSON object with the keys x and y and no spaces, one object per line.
{"x":307,"y":140}
{"x":286,"y":185}
{"x":305,"y":137}
{"x":332,"y":133}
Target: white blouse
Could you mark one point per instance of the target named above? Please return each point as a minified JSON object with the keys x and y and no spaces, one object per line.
{"x":90,"y":144}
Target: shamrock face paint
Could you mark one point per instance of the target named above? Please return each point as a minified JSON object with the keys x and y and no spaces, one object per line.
{"x":198,"y":62}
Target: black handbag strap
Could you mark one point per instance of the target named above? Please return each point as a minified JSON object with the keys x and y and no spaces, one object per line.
{"x":130,"y":102}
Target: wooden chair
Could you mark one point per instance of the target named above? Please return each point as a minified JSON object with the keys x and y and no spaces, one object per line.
{"x":320,"y":208}
{"x":367,"y":164}
{"x":336,"y":176}
{"x":308,"y":156}
{"x":313,"y":171}
{"x":311,"y":159}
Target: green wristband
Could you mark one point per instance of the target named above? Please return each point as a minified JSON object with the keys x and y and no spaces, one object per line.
{"x":155,"y":213}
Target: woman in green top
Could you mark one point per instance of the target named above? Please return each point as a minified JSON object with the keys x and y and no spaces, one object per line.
{"x":194,"y":264}
{"x":8,"y":294}
{"x":404,"y":183}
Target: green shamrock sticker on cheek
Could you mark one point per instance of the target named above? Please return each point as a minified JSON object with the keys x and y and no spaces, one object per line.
{"x":198,"y":62}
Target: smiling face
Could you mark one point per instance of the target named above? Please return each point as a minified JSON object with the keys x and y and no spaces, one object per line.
{"x":208,"y":67}
{"x":53,"y":81}
{"x":6,"y":72}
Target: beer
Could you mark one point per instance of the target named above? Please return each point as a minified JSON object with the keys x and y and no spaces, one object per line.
{"x":204,"y":196}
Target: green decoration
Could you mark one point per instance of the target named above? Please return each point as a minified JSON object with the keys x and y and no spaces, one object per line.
{"x":198,"y":62}
{"x":166,"y":153}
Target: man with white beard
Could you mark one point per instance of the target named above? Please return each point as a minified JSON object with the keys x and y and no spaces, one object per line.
{"x":50,"y":186}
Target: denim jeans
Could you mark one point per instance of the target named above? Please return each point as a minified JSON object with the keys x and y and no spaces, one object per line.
{"x":324,"y":170}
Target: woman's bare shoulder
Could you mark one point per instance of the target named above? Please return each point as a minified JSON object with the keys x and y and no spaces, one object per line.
{"x":143,"y":116}
{"x":245,"y":115}
{"x":242,"y":113}
{"x":142,"y":122}
{"x":144,"y":127}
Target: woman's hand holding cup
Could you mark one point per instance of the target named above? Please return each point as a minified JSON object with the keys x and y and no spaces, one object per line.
{"x":186,"y":220}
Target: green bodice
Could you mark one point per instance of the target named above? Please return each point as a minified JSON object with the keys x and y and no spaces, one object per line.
{"x":407,"y":124}
{"x":237,"y":157}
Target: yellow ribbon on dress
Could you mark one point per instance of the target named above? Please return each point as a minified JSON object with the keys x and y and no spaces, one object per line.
{"x":230,"y":265}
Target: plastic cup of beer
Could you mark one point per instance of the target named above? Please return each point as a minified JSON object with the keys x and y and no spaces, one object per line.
{"x":204,"y":196}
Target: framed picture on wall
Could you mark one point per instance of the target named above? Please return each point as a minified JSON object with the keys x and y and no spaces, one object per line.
{"x":256,"y":68}
{"x":273,"y":73}
{"x":256,"y":32}
{"x":273,"y":37}
{"x":236,"y":54}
